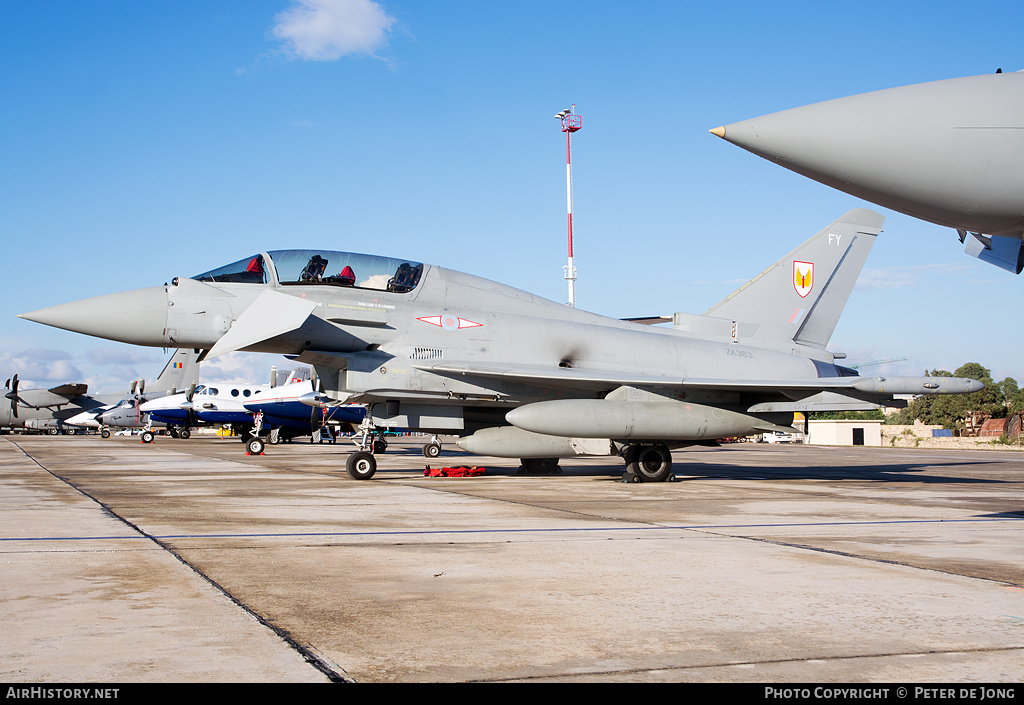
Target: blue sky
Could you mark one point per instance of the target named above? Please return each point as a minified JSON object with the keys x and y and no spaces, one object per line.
{"x":143,"y":141}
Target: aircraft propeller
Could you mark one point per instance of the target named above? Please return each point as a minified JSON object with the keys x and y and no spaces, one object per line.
{"x":190,"y":418}
{"x":13,"y":394}
{"x":315,"y":423}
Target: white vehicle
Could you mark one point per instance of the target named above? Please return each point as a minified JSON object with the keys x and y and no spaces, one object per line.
{"x":778,"y":437}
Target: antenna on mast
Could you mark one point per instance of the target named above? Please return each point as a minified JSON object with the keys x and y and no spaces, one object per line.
{"x":571,"y":122}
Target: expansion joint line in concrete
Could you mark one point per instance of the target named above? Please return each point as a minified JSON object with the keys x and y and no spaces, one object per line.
{"x":765,"y":662}
{"x":855,"y":556}
{"x":306,"y":652}
{"x":705,"y":530}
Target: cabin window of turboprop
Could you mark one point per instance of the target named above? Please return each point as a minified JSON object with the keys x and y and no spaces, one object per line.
{"x":346,"y":269}
{"x":250,"y":270}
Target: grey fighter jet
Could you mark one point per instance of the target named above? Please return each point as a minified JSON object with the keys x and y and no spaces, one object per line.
{"x":435,"y":350}
{"x":947,"y":152}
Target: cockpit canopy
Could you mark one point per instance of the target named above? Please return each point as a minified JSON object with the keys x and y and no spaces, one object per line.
{"x":321,"y":267}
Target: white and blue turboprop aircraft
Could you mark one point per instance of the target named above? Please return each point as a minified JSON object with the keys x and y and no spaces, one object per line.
{"x":298,"y":404}
{"x":226,"y":404}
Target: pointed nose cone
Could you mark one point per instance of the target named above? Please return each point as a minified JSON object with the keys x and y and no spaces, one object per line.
{"x":137,"y":317}
{"x":860,"y":145}
{"x":819,"y":140}
{"x":946,"y":152}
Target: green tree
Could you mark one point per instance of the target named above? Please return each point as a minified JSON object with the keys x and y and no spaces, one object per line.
{"x":997,"y":399}
{"x":949,"y":410}
{"x":873,"y":414}
{"x":1013,"y":396}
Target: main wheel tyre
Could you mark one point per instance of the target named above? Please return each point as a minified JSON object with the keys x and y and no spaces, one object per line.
{"x":380,"y":445}
{"x":432,"y":450}
{"x":184,"y":433}
{"x":541,"y":465}
{"x":361,"y":465}
{"x":255,"y":446}
{"x":650,"y":463}
{"x":104,"y":433}
{"x":147,"y":436}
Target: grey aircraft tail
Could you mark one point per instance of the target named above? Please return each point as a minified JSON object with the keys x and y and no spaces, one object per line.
{"x":180,"y":372}
{"x":799,"y":298}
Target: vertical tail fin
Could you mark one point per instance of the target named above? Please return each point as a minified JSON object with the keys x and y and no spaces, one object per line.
{"x":180,"y":371}
{"x":801,"y":297}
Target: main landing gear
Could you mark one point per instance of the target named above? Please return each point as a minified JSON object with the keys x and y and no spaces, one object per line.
{"x":648,"y":463}
{"x":539,"y":466}
{"x":432,"y":449}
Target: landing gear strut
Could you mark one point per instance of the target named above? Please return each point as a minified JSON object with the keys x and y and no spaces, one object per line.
{"x":255,"y":444}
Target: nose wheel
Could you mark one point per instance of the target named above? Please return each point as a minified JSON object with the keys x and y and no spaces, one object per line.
{"x":254,"y":446}
{"x":361,"y":465}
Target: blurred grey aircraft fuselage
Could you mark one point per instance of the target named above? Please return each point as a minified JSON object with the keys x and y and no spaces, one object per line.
{"x":947,"y":152}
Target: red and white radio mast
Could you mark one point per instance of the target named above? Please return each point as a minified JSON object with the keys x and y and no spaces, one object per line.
{"x":570,"y":123}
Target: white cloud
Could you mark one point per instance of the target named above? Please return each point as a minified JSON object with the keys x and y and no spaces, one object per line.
{"x":40,"y":367}
{"x":244,"y":368}
{"x":326,"y":30}
{"x":120,"y":356}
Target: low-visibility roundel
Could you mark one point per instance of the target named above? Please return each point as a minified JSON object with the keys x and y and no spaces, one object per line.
{"x":449,"y":322}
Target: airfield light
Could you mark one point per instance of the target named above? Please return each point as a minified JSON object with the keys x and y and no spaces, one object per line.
{"x":571,"y":122}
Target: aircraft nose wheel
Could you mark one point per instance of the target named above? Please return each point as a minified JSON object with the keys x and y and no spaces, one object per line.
{"x":361,"y":465}
{"x":432,"y":450}
{"x":254,"y":446}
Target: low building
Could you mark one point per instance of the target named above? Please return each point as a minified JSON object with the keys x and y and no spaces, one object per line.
{"x":842,"y":432}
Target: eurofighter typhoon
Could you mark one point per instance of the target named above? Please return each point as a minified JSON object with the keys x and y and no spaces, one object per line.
{"x":431,"y":349}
